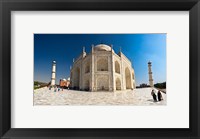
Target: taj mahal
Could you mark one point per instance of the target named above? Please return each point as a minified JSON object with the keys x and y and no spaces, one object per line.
{"x":102,"y":70}
{"x":101,"y":75}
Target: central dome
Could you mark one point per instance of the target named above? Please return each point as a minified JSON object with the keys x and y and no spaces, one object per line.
{"x":102,"y":47}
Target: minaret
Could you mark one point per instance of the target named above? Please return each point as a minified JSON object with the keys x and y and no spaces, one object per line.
{"x":83,"y":49}
{"x":53,"y":76}
{"x":150,"y":74}
{"x":120,"y":51}
{"x":92,"y":48}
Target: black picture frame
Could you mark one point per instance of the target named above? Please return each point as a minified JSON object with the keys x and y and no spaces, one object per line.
{"x":6,"y":6}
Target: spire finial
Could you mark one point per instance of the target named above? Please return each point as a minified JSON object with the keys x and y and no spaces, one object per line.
{"x":83,"y":49}
{"x":92,"y":47}
{"x":149,"y":62}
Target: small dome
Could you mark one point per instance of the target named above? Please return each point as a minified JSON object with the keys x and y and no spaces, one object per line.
{"x":102,"y":47}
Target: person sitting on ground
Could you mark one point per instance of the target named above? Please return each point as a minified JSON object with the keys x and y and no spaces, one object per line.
{"x":154,"y":95}
{"x":160,"y":96}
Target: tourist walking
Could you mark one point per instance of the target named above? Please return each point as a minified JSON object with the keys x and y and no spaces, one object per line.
{"x":154,"y":95}
{"x":159,"y":96}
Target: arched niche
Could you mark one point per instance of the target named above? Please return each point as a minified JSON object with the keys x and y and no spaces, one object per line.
{"x":117,"y":67}
{"x":128,"y":78}
{"x":76,"y":78}
{"x":87,"y":67}
{"x":118,"y":84}
{"x":102,"y":64}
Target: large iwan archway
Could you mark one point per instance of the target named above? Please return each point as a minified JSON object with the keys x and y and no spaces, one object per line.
{"x":128,"y":78}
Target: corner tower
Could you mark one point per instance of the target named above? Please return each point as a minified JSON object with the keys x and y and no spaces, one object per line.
{"x":53,"y":75}
{"x":150,"y":74}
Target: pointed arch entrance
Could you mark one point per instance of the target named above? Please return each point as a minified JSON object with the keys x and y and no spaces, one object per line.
{"x":103,"y":83}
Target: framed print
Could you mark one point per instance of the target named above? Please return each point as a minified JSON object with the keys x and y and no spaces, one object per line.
{"x":99,"y":69}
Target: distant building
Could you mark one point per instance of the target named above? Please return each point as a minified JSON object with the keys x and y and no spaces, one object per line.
{"x":102,"y":69}
{"x":64,"y":82}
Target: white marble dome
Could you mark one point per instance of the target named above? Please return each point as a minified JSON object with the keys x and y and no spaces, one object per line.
{"x":102,"y":47}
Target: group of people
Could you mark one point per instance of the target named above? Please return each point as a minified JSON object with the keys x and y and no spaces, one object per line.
{"x":55,"y":88}
{"x":157,"y":97}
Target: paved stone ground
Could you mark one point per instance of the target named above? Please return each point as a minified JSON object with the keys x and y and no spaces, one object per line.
{"x":139,"y":97}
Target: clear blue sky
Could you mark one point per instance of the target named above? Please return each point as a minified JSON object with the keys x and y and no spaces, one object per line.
{"x":139,"y":48}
